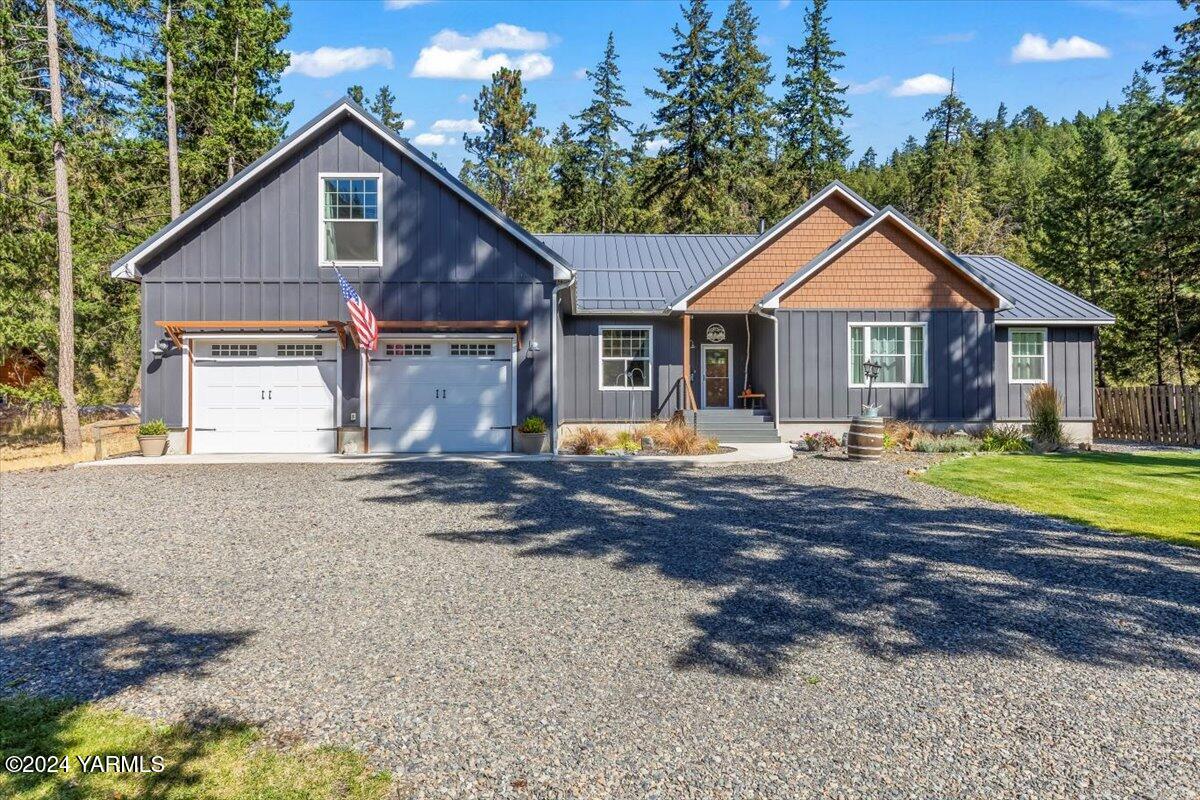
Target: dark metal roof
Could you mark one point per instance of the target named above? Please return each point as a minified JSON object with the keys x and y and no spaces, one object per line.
{"x":1033,"y":297}
{"x":641,"y":272}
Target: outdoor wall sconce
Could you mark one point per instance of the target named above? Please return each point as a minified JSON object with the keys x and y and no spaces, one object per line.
{"x":161,"y":347}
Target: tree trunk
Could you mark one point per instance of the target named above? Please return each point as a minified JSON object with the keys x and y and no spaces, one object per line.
{"x":237,"y":42}
{"x":68,"y":411}
{"x":172,"y":131}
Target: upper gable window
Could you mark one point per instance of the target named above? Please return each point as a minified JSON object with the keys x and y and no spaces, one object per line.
{"x":350,"y":230}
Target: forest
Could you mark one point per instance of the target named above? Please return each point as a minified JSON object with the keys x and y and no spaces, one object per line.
{"x":119,"y":114}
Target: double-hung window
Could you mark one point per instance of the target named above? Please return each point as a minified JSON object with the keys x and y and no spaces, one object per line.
{"x":625,"y":357}
{"x":1027,"y":355}
{"x":901,"y":351}
{"x":350,"y":229}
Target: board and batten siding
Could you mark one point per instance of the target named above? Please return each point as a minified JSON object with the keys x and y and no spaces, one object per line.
{"x":1071,"y":370}
{"x":255,"y":257}
{"x":814,"y":367}
{"x":581,"y":398}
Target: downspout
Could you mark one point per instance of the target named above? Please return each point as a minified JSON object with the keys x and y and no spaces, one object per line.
{"x":775,"y":323}
{"x":555,"y":324}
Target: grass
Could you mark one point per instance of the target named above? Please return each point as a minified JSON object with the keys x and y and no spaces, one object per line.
{"x":1148,"y":494}
{"x":218,"y":759}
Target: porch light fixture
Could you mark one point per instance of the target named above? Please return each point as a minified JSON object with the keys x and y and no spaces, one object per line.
{"x":163,"y":345}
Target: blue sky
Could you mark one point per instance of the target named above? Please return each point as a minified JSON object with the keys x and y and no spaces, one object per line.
{"x":1059,"y":56}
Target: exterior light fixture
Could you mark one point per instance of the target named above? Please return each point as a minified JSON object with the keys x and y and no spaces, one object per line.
{"x":871,"y":371}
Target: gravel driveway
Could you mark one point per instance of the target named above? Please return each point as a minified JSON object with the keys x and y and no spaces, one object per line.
{"x":617,"y":631}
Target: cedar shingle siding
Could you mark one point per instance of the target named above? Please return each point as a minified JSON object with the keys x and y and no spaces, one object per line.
{"x":771,"y":266}
{"x":888,"y":268}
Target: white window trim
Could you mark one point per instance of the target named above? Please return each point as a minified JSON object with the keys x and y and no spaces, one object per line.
{"x":908,"y":326}
{"x":1045,"y":332}
{"x":321,"y":178}
{"x":600,"y":359}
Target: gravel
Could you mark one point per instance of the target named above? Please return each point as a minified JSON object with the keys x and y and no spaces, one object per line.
{"x":814,"y":628}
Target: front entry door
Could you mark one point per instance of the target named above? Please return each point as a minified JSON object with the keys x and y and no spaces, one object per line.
{"x":718,"y":375}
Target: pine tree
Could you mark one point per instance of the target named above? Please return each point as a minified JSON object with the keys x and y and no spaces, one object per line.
{"x":1085,"y":223}
{"x":683,"y":175}
{"x":573,"y":190}
{"x":384,"y":107}
{"x":605,"y":162}
{"x":813,"y":109}
{"x":949,"y":185}
{"x":355,"y":92}
{"x":744,"y":118}
{"x":511,"y":164}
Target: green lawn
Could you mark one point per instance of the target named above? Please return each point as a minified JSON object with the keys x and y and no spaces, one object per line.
{"x":1151,"y":494}
{"x":216,"y":760}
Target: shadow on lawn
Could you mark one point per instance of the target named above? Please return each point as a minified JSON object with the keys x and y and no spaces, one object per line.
{"x":68,"y":658}
{"x":795,"y":564}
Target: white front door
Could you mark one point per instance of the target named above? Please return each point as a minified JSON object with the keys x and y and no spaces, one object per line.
{"x":439,"y":395}
{"x":264,"y":397}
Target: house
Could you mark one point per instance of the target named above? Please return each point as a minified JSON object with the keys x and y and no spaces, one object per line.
{"x":246,"y":348}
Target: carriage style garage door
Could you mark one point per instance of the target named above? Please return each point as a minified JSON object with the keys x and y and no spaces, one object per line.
{"x":264,"y":396}
{"x":439,"y":395}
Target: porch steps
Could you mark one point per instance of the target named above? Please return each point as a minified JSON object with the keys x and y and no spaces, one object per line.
{"x":736,"y":425}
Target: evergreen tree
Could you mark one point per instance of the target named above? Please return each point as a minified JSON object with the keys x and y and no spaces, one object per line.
{"x":950,"y":182}
{"x":605,"y":162}
{"x":511,"y":164}
{"x":384,"y":107}
{"x":355,"y":93}
{"x":744,"y":118}
{"x":573,"y":210}
{"x":683,"y":175}
{"x":869,"y":159}
{"x":813,"y":109}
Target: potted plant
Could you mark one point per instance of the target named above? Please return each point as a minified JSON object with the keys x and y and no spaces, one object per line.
{"x":533,"y":436}
{"x":152,"y":437}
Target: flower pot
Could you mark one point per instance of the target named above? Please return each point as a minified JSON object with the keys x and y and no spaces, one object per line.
{"x":153,"y":445}
{"x":533,"y":443}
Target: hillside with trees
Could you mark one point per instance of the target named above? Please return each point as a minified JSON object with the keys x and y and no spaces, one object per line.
{"x":122,"y":113}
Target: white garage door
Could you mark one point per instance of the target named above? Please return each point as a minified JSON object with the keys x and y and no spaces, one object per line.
{"x":441,"y":396}
{"x":264,"y":397}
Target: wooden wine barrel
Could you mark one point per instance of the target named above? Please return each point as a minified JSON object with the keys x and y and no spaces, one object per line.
{"x":864,"y":442}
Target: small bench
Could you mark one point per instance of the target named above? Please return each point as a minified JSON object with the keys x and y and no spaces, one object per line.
{"x":752,"y":399}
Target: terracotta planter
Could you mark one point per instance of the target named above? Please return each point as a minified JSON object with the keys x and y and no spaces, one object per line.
{"x":153,"y":445}
{"x":533,"y":443}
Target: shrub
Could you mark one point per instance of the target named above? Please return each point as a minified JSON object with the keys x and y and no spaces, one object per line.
{"x":898,"y":433}
{"x":588,"y":440}
{"x":155,"y":427}
{"x":821,"y":441}
{"x":626,"y":443}
{"x":39,"y":391}
{"x":533,"y":424}
{"x":947,"y":444}
{"x":1045,"y":415}
{"x":1004,"y":439}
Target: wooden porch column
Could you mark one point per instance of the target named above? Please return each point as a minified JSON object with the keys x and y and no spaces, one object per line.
{"x":689,"y":400}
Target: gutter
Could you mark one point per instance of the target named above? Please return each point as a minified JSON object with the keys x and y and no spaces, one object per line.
{"x":775,"y":323}
{"x":555,"y":324}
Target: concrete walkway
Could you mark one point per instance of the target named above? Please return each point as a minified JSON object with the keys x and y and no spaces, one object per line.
{"x":742,"y":454}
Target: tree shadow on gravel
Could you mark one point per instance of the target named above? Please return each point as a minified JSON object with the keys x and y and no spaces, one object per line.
{"x":795,"y":563}
{"x":65,"y":656}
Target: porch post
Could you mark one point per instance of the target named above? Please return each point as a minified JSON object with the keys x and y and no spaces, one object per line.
{"x":689,"y":400}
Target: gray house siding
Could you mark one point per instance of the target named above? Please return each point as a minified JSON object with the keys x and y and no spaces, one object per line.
{"x":255,"y":257}
{"x":1071,"y":370}
{"x":582,"y":399}
{"x":762,"y":361}
{"x":814,"y":367}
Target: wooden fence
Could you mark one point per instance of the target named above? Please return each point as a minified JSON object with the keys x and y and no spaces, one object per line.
{"x":1160,"y":414}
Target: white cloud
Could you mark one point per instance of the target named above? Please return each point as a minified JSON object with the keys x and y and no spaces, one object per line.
{"x":654,"y":145}
{"x":325,"y":62}
{"x":954,"y":38}
{"x":407,"y":124}
{"x":579,"y":74}
{"x":457,"y":126}
{"x":436,"y":61}
{"x":464,"y":98}
{"x":400,"y":5}
{"x":922,"y":84}
{"x":434,"y":140}
{"x":1034,"y":47}
{"x":784,"y":3}
{"x":873,"y":85}
{"x":501,"y":36}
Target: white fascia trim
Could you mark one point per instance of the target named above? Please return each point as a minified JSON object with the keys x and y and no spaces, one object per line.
{"x":773,"y":299}
{"x":1064,"y":323}
{"x":561,"y":271}
{"x":680,"y":304}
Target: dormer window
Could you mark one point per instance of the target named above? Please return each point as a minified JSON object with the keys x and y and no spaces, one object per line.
{"x":350,"y":231}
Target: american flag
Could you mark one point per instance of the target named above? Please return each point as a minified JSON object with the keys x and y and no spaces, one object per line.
{"x":365,"y":328}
